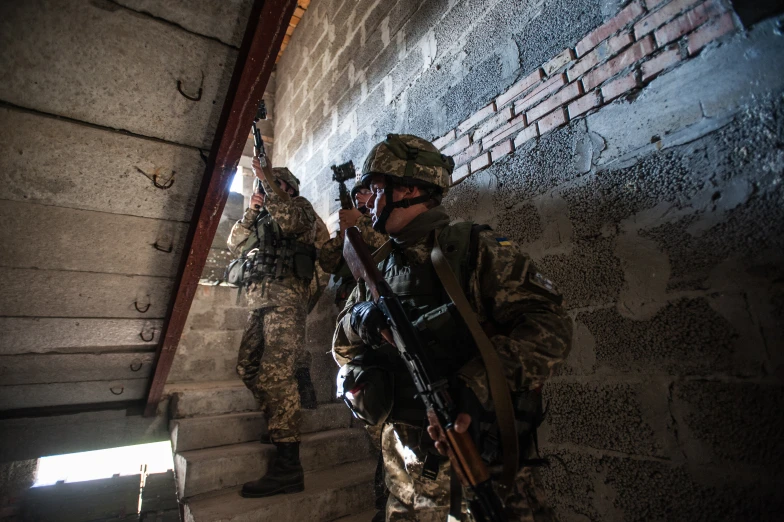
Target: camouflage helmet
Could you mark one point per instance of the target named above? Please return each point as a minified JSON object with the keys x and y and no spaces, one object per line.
{"x":411,"y":161}
{"x":284,"y":174}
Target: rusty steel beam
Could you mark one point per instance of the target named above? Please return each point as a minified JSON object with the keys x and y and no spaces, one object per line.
{"x":267,"y":26}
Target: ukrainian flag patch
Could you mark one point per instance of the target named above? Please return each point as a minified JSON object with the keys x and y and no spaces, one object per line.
{"x":503,"y":241}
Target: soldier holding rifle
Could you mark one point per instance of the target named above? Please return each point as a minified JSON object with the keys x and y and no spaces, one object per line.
{"x":454,"y":332}
{"x":275,"y":241}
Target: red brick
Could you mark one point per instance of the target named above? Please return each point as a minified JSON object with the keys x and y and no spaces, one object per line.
{"x":466,"y":155}
{"x":541,"y":91}
{"x":519,"y":88}
{"x":475,"y":118}
{"x":558,"y":62}
{"x":444,"y":140}
{"x":552,"y":120}
{"x":584,"y":104}
{"x":688,"y":22}
{"x":457,"y":146}
{"x":710,"y":31}
{"x":491,"y":124}
{"x":658,"y":63}
{"x":603,"y":51}
{"x":480,"y":162}
{"x":562,"y":97}
{"x":660,"y":17}
{"x":513,"y":126}
{"x":619,"y":63}
{"x":525,"y":135}
{"x":459,"y":174}
{"x":627,"y":14}
{"x":501,"y":150}
{"x":619,"y":87}
{"x":651,"y":4}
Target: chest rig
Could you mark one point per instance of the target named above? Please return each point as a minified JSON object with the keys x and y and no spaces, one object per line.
{"x":272,"y":254}
{"x":428,"y":306}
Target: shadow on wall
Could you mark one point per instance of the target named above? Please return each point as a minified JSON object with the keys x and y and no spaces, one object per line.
{"x":672,"y":268}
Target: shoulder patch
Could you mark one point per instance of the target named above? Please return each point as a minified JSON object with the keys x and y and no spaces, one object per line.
{"x":537,"y":283}
{"x":503,"y":241}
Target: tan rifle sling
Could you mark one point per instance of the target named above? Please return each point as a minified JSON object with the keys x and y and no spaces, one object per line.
{"x":496,"y":378}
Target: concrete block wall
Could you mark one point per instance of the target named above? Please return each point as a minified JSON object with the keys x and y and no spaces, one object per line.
{"x":635,"y":152}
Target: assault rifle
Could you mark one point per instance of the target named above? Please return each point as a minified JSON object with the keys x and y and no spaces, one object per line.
{"x":266,"y":169}
{"x":442,"y":410}
{"x":341,"y":174}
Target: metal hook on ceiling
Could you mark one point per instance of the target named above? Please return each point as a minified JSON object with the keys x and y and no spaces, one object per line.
{"x":136,"y":365}
{"x":117,"y":390}
{"x":154,"y":178}
{"x":191,"y":98}
{"x":169,"y":250}
{"x":136,"y":305}
{"x":166,"y":185}
{"x":141,"y":335}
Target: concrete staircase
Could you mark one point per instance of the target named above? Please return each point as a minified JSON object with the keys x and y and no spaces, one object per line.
{"x":215,"y":430}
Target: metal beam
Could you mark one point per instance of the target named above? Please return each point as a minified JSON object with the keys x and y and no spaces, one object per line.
{"x":263,"y":37}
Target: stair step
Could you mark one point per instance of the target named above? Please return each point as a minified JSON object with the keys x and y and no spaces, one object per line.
{"x":211,"y":469}
{"x":365,"y":516}
{"x":209,"y":398}
{"x":329,"y":494}
{"x":234,"y":428}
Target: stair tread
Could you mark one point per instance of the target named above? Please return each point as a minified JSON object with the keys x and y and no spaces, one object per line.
{"x":365,"y":516}
{"x":174,"y":387}
{"x":234,"y":450}
{"x":339,"y":407}
{"x":228,"y":505}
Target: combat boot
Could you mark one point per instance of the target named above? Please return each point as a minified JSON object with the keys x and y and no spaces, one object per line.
{"x":307,"y":394}
{"x":285,"y":475}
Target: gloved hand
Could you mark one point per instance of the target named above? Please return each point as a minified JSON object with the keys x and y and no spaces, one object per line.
{"x":367,"y":321}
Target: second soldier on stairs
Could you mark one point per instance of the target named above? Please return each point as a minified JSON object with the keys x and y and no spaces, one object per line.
{"x":276,"y":238}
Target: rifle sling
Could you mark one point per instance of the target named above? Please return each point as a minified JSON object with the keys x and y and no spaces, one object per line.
{"x":496,"y":378}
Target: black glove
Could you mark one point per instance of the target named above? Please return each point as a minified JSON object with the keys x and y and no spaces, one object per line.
{"x":367,"y":321}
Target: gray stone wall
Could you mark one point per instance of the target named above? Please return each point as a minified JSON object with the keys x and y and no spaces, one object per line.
{"x":660,"y":217}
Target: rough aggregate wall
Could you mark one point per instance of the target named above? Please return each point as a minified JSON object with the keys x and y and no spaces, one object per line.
{"x":659,"y":216}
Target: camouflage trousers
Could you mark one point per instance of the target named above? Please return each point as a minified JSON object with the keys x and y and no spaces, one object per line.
{"x":414,"y":498}
{"x":272,"y":348}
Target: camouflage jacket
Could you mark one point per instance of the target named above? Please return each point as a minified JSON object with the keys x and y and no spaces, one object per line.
{"x":509,"y":296}
{"x":331,"y":253}
{"x":295,"y":218}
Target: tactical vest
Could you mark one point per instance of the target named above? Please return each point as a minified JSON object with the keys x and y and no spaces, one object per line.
{"x":449,"y":343}
{"x":276,"y":254}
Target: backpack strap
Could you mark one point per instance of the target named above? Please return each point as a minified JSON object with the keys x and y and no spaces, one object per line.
{"x":499,"y":390}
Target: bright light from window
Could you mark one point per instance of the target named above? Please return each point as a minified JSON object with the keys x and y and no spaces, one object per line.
{"x":91,"y":465}
{"x":236,"y":183}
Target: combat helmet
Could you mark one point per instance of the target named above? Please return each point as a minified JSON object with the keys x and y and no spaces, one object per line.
{"x":284,"y":174}
{"x":408,"y":160}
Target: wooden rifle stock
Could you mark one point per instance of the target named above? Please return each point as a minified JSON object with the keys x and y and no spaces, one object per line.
{"x":462,"y":451}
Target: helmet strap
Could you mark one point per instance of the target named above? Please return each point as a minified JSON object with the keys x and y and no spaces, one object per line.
{"x":381,"y":222}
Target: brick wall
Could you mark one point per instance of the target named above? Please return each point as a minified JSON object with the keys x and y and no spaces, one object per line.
{"x":634,"y":149}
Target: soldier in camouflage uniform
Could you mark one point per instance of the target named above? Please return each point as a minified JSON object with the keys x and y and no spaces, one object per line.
{"x":511,"y":298}
{"x":331,"y":261}
{"x":279,"y":235}
{"x":331,"y":254}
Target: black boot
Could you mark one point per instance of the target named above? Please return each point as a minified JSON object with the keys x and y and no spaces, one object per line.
{"x":284,"y":476}
{"x":307,"y":394}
